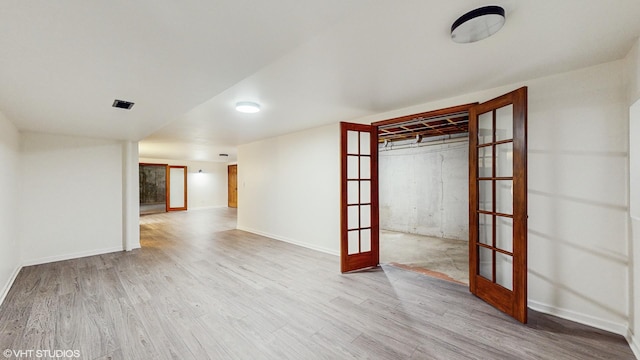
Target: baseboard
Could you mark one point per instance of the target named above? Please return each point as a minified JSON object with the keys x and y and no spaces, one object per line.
{"x":634,"y":343}
{"x":7,"y":287}
{"x":81,"y":254}
{"x":616,"y":328}
{"x":207,"y":207}
{"x":290,"y":241}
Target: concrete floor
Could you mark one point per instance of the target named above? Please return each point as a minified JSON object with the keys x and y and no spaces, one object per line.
{"x":146,"y":209}
{"x":447,"y":259}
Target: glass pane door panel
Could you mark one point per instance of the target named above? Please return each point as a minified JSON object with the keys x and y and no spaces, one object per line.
{"x":365,"y":240}
{"x":485,"y":161}
{"x":365,"y":216}
{"x":485,"y":128}
{"x":353,"y":221}
{"x":352,"y":167}
{"x":352,"y":142}
{"x":365,"y":167}
{"x":352,"y":192}
{"x":504,"y":160}
{"x":504,"y":270}
{"x":504,"y":233}
{"x":365,"y":192}
{"x":485,"y":229}
{"x":504,"y":123}
{"x":365,"y":143}
{"x":176,"y":187}
{"x":485,"y":195}
{"x":354,"y":240}
{"x":486,"y":263}
{"x":504,"y":197}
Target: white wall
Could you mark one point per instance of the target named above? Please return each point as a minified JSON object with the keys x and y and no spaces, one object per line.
{"x":9,"y":248}
{"x":578,"y":253}
{"x":204,"y":190}
{"x":289,"y":188}
{"x":633,"y":97}
{"x":71,"y":189}
{"x":425,"y":190}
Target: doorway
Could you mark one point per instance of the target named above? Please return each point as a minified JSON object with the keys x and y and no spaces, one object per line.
{"x":153,"y":188}
{"x":232,"y":184}
{"x":423,"y":191}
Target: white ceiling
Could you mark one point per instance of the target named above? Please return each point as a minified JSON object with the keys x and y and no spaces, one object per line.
{"x":308,"y":63}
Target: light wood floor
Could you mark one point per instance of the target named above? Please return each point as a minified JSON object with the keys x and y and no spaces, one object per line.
{"x":198,"y":289}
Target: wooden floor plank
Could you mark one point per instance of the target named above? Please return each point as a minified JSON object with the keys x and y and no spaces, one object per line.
{"x":199,"y":289}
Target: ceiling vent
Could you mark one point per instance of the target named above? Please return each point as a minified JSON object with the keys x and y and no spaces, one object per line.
{"x":223,"y":155}
{"x":127,"y":105}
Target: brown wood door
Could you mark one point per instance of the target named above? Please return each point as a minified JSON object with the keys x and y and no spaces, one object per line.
{"x":232,"y":171}
{"x":359,"y":228}
{"x":498,"y":202}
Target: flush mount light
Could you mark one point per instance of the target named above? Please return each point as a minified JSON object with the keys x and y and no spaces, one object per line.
{"x":247,"y":107}
{"x":127,"y":105}
{"x":477,"y":24}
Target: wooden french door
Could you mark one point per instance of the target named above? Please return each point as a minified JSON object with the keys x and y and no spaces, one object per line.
{"x":359,"y":226}
{"x":232,"y":184}
{"x":498,"y":202}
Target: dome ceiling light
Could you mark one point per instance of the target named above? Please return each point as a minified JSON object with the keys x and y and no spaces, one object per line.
{"x":478,"y":24}
{"x":247,"y":107}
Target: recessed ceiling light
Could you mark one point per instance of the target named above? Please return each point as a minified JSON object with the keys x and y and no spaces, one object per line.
{"x":247,"y":107}
{"x":478,"y":24}
{"x":121,"y":104}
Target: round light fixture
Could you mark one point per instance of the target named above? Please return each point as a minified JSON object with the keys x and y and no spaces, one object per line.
{"x":247,"y":107}
{"x":477,"y":24}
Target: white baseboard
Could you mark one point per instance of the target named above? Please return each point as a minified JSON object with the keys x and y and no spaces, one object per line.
{"x":7,"y":286}
{"x":634,"y":343}
{"x":81,"y":254}
{"x":291,"y":241}
{"x":616,"y":328}
{"x":207,"y":207}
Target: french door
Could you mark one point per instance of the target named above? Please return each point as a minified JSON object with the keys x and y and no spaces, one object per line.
{"x":498,"y":202}
{"x":359,"y":197}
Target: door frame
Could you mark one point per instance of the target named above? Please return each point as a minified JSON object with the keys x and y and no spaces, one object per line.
{"x":179,"y":208}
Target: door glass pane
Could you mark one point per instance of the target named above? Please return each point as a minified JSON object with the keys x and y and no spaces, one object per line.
{"x":485,"y":163}
{"x":504,"y":270}
{"x":365,"y":216}
{"x":365,"y":144}
{"x":352,"y":192}
{"x":504,"y":123}
{"x":486,"y":263}
{"x":504,"y":160}
{"x":352,"y":167}
{"x":365,"y":167}
{"x":485,"y":195}
{"x":485,"y":128}
{"x":504,"y":197}
{"x":176,"y":188}
{"x":504,"y":233}
{"x":365,"y":192}
{"x":485,"y":229}
{"x":365,"y":240}
{"x":353,"y":240}
{"x":352,"y":217}
{"x":352,"y":142}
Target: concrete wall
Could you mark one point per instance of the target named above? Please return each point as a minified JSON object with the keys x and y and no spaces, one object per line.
{"x":72,"y":188}
{"x":9,"y":185}
{"x":289,"y":188}
{"x":204,"y":190}
{"x":425,"y":190}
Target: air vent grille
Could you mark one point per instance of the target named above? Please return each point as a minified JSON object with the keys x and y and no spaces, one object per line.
{"x":127,"y":105}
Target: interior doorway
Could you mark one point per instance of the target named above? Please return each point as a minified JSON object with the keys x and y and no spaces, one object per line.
{"x":153,"y":188}
{"x":424,"y":193}
{"x":232,"y":184}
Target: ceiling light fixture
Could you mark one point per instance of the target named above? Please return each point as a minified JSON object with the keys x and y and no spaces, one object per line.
{"x":477,"y":24}
{"x":247,"y":107}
